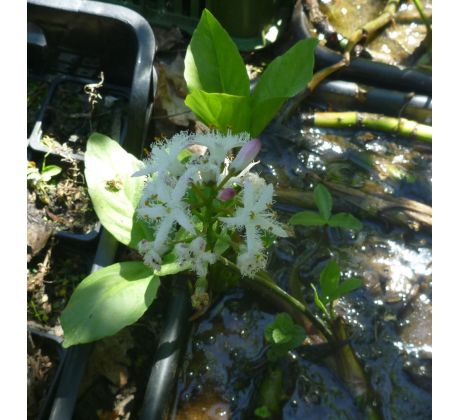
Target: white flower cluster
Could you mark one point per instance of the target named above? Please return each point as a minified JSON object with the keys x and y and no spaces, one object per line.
{"x":175,"y":169}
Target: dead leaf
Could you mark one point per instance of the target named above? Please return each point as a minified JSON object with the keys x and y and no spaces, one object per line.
{"x":171,"y":92}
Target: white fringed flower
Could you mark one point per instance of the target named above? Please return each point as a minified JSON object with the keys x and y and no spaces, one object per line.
{"x":195,"y":252}
{"x":164,"y":158}
{"x":254,"y":216}
{"x":163,"y":206}
{"x":219,"y":145}
{"x":190,"y":193}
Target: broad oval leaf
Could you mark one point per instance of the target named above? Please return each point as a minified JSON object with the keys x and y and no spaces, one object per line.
{"x":285,"y":76}
{"x":329,"y":279}
{"x":263,"y":112}
{"x":323,"y":200}
{"x":113,"y":191}
{"x":221,"y":111}
{"x":212,"y":62}
{"x":307,"y":218}
{"x":288,"y":74}
{"x":347,"y":287}
{"x":108,"y":300}
{"x":346,"y":221}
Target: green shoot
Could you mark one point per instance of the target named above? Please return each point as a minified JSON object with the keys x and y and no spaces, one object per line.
{"x":323,"y":201}
{"x":283,"y":335}
{"x":331,"y":289}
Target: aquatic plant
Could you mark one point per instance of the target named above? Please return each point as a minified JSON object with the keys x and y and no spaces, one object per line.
{"x":185,"y":206}
{"x":323,"y":201}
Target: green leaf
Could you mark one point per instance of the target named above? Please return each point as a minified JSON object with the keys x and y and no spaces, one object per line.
{"x":285,"y":77}
{"x":221,"y":111}
{"x":288,"y":74}
{"x":307,"y":218}
{"x":107,"y":165}
{"x":283,"y":335}
{"x":329,"y":279}
{"x":318,"y":302}
{"x":348,"y":286}
{"x":262,"y":113}
{"x":108,"y":300}
{"x":212,"y":62}
{"x":49,"y":171}
{"x":346,"y":221}
{"x":323,"y":201}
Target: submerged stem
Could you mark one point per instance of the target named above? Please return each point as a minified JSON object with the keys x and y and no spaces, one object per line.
{"x":351,"y":119}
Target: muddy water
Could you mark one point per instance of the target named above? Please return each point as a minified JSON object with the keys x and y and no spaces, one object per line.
{"x":389,"y":319}
{"x":396,"y":42}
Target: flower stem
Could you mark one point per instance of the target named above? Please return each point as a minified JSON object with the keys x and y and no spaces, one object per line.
{"x":224,"y":181}
{"x":269,"y":284}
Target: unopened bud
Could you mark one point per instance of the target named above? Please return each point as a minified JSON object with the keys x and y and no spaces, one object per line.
{"x":246,"y":155}
{"x":227,"y":194}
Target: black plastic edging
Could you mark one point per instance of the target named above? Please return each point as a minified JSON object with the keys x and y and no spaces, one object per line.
{"x":173,"y":336}
{"x":361,"y":69}
{"x":144,"y":77}
{"x":350,"y":95}
{"x":77,"y":356}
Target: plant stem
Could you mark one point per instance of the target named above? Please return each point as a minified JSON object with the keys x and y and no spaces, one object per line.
{"x":425,"y":19}
{"x":401,"y":126}
{"x":352,"y":373}
{"x":271,"y":286}
{"x":224,"y":181}
{"x":372,"y":27}
{"x":367,"y":30}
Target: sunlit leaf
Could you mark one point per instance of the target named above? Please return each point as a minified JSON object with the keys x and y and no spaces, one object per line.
{"x":346,"y":221}
{"x":323,"y":200}
{"x":307,"y":218}
{"x":108,"y":300}
{"x":329,"y":279}
{"x":212,"y":62}
{"x":114,"y":192}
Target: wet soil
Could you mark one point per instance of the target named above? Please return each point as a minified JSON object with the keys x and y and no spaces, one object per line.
{"x":396,"y":43}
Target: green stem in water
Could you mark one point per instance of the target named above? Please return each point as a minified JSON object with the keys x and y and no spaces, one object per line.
{"x":401,"y":126}
{"x":269,"y":284}
{"x":372,"y":27}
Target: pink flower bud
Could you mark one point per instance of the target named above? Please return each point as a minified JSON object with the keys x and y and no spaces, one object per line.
{"x":246,"y":155}
{"x":227,"y":194}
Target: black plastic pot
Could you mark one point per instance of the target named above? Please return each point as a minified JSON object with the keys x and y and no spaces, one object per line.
{"x":76,"y":40}
{"x":361,"y":69}
{"x":50,"y":345}
{"x":84,"y":38}
{"x":73,"y":41}
{"x":45,"y":116}
{"x":66,"y":393}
